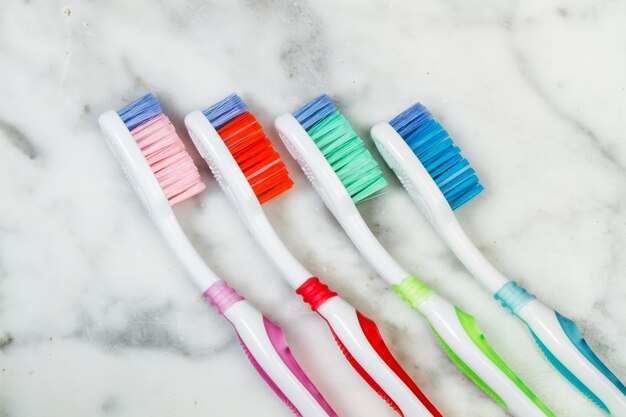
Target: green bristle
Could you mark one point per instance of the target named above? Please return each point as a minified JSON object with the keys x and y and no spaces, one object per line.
{"x":347,"y":155}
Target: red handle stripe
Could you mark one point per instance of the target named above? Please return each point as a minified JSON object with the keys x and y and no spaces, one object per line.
{"x":316,"y":293}
{"x":370,"y":381}
{"x":372,"y":334}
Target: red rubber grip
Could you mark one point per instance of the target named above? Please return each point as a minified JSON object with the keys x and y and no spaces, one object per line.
{"x":372,"y":334}
{"x":315,"y":293}
{"x":370,"y":381}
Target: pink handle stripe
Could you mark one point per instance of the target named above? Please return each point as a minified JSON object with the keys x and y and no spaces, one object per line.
{"x":277,"y":337}
{"x":222,"y":296}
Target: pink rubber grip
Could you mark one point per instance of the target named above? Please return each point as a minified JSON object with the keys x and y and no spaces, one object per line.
{"x":223,"y":297}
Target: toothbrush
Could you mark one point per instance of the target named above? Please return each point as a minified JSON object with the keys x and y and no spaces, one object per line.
{"x":343,"y":172}
{"x":250,"y":172}
{"x":439,"y":179}
{"x":162,"y":172}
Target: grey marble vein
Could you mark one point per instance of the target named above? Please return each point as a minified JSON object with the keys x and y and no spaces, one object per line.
{"x":97,"y":317}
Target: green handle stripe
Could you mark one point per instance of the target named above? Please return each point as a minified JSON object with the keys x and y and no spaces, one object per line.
{"x":468,"y":371}
{"x":413,"y":291}
{"x":473,"y":331}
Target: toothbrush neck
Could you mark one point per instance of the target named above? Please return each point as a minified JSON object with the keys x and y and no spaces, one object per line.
{"x":198,"y":270}
{"x":468,"y":253}
{"x":265,"y":235}
{"x":371,"y":249}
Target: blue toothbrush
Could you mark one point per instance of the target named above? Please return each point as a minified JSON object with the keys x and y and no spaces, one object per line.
{"x":439,"y":179}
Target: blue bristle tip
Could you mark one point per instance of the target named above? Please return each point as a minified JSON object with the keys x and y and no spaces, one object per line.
{"x":410,"y":119}
{"x":224,"y":111}
{"x":140,"y":111}
{"x":314,"y":111}
{"x":433,"y":146}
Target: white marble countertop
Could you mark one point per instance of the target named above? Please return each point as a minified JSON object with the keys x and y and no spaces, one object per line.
{"x":97,"y":317}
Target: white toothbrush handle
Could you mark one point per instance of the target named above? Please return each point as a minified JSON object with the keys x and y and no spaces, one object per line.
{"x":266,"y":347}
{"x":561,"y":341}
{"x":362,"y":345}
{"x":463,"y":341}
{"x":558,"y":337}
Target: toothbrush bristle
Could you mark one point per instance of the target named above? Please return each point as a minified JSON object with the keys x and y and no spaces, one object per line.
{"x":250,"y":147}
{"x":222,"y":112}
{"x":433,"y":146}
{"x":344,"y":150}
{"x":140,"y":110}
{"x":314,"y":111}
{"x":163,"y":149}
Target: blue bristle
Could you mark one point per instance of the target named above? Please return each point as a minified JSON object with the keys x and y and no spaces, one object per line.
{"x":433,"y":146}
{"x":410,"y":119}
{"x":314,"y":111}
{"x":140,"y":111}
{"x":224,"y":111}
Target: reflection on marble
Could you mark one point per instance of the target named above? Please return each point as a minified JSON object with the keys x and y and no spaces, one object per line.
{"x":96,"y":315}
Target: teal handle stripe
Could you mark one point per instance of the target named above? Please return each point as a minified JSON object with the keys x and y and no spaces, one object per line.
{"x":567,"y":374}
{"x":513,"y":297}
{"x":573,"y":333}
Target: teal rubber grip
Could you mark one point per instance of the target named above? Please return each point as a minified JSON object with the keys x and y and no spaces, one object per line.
{"x":573,"y":333}
{"x":547,"y":326}
{"x":513,"y":297}
{"x":568,"y":375}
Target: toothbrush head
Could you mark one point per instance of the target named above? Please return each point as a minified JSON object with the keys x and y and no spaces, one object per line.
{"x":346,"y":153}
{"x":440,"y":157}
{"x":250,"y":147}
{"x":159,"y":144}
{"x":163,"y":149}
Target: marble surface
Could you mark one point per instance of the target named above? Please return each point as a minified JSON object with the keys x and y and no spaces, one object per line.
{"x":97,"y":317}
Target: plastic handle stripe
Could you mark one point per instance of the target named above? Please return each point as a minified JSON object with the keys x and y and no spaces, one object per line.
{"x":279,"y":342}
{"x":573,"y":333}
{"x":568,"y":375}
{"x":413,"y":291}
{"x":315,"y":293}
{"x":267,"y":378}
{"x":472,"y":329}
{"x":357,"y":367}
{"x":468,"y":371}
{"x":221,"y":296}
{"x":376,"y":341}
{"x":513,"y":297}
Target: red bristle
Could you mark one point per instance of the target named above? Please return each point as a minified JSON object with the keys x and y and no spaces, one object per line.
{"x":265,"y":186}
{"x":257,"y":159}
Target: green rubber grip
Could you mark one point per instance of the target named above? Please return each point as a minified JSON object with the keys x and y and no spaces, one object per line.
{"x":414,"y":292}
{"x":470,"y":325}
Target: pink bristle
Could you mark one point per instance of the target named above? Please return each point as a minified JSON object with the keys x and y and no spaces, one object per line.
{"x":173,"y":167}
